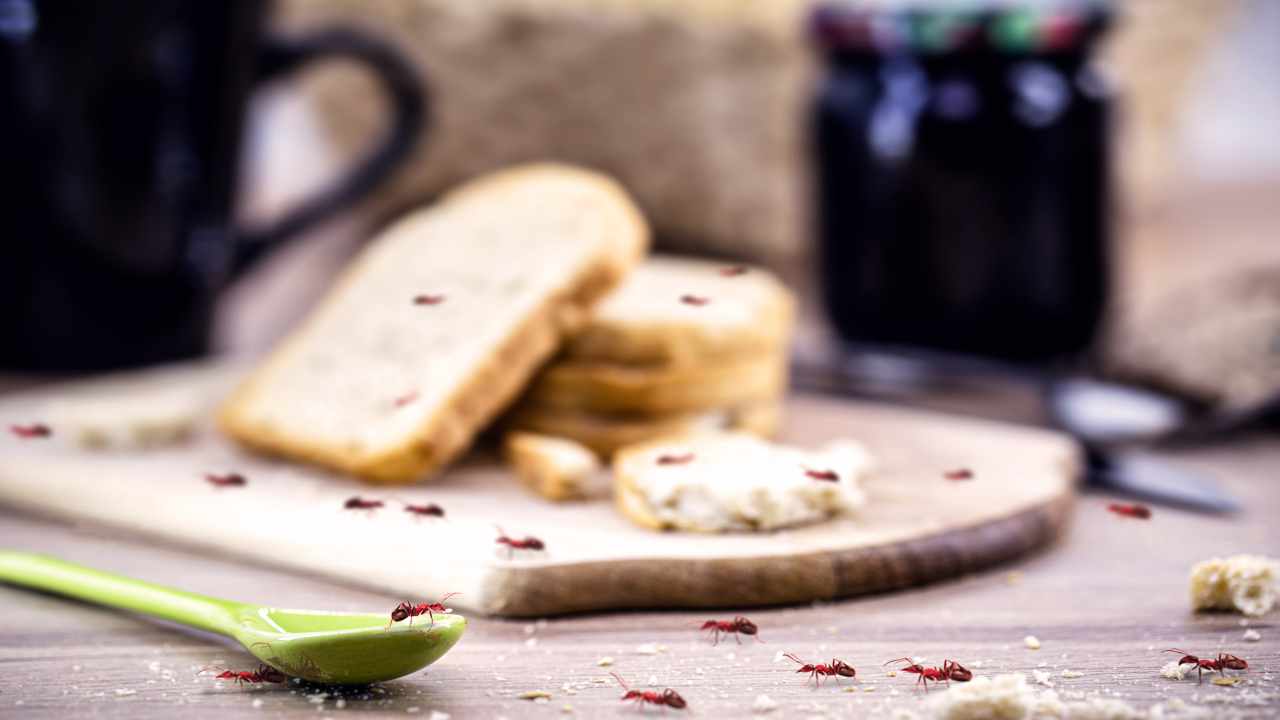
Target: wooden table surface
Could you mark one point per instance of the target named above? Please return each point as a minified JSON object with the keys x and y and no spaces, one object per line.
{"x":1105,"y":602}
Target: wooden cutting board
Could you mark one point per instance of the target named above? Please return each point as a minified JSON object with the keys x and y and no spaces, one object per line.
{"x":918,"y":526}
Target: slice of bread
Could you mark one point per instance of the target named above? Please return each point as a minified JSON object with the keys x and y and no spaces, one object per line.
{"x":605,"y":433}
{"x":439,"y":323}
{"x":683,"y":312}
{"x":609,"y":388}
{"x":717,"y":482}
{"x":556,"y":468}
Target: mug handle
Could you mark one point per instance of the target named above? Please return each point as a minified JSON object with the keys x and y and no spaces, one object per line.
{"x":409,"y":99}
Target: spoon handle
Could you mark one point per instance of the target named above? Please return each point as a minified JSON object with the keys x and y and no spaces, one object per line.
{"x":50,"y":574}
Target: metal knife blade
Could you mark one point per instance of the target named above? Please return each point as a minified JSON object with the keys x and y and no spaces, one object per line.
{"x":1144,"y":476}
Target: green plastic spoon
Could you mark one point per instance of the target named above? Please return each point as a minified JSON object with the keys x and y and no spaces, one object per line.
{"x":325,"y":647}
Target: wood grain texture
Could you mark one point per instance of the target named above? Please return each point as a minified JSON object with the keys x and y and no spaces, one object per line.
{"x":918,"y":527}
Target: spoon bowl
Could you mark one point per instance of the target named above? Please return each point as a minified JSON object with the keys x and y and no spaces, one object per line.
{"x":325,"y":647}
{"x":345,"y":648}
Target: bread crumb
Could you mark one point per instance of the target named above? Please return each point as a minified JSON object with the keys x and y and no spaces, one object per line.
{"x":566,"y":708}
{"x":763,"y":704}
{"x":1244,"y":583}
{"x":1013,"y":578}
{"x":1004,"y":697}
{"x":1251,"y":635}
{"x":1010,"y":697}
{"x":122,"y":692}
{"x":1042,"y":677}
{"x":438,"y":715}
{"x":1226,"y":681}
{"x":556,"y":468}
{"x":534,"y":695}
{"x":1174,"y":671}
{"x":650,"y":649}
{"x":1032,"y":642}
{"x":531,"y":642}
{"x":605,"y":661}
{"x":1072,"y":674}
{"x":257,"y":703}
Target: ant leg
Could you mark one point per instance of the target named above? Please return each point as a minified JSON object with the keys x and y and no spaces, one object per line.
{"x":737,"y":638}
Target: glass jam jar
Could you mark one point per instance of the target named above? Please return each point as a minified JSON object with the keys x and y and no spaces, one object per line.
{"x":964,"y":191}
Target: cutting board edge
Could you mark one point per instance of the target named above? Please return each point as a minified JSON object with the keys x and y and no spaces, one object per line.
{"x":784,"y":579}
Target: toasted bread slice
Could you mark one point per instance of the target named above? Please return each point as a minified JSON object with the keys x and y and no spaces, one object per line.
{"x":716,"y":482}
{"x":608,"y":388}
{"x":684,"y":312}
{"x":439,"y":323}
{"x":606,"y":433}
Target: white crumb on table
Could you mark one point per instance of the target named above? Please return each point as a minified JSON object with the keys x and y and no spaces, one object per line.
{"x":1032,"y":642}
{"x":1243,"y":583}
{"x":763,"y":704}
{"x":1251,"y":635}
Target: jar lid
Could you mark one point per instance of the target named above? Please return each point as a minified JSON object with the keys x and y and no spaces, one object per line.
{"x":1010,"y":26}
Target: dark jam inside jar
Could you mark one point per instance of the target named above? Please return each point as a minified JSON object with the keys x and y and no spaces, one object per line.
{"x":963,"y":179}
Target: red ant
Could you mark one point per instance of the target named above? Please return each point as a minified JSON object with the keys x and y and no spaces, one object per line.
{"x":836,"y":669}
{"x":736,"y":626}
{"x":428,"y":510}
{"x":34,"y":430}
{"x":950,"y":670}
{"x":512,"y":544}
{"x":734,"y":271}
{"x":264,"y":673}
{"x":675,"y":459}
{"x":669,"y":698}
{"x":411,"y":611}
{"x":428,"y":299}
{"x":1136,"y":510}
{"x":958,"y":474}
{"x":359,"y":503}
{"x":227,"y":480}
{"x":406,"y":398}
{"x":823,"y":475}
{"x":1222,"y":663}
{"x":695,"y":300}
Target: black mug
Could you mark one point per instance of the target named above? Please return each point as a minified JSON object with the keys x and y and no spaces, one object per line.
{"x":121,"y":137}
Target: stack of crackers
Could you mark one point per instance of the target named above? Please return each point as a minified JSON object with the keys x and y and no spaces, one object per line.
{"x":682,"y":345}
{"x":674,"y":369}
